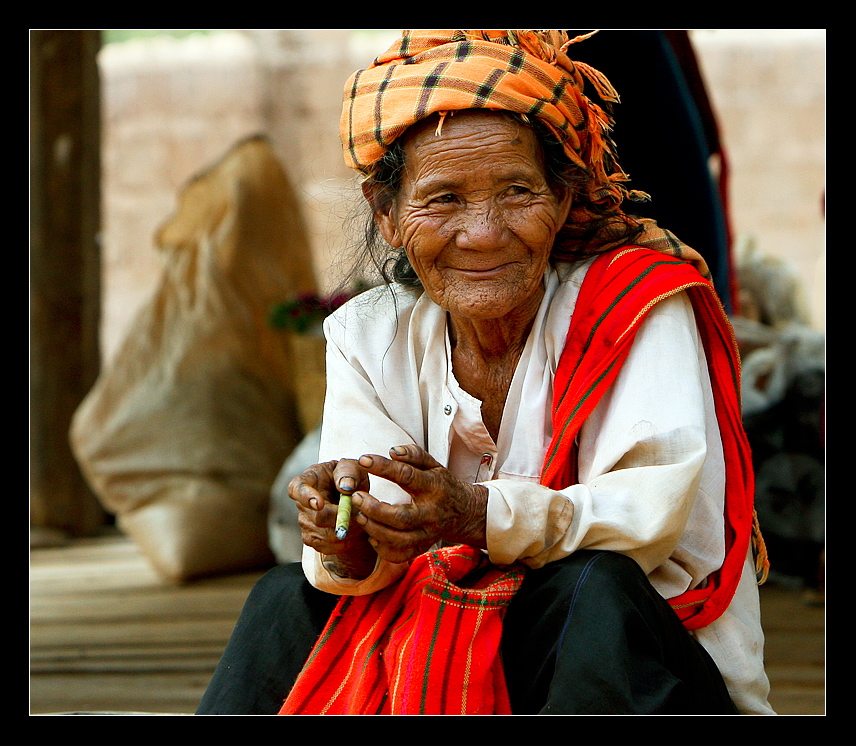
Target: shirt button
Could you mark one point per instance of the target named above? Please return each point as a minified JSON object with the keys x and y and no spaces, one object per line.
{"x":448,"y":409}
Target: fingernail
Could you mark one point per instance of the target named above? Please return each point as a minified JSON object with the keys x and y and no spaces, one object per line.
{"x":313,"y":503}
{"x":366,"y":460}
{"x":347,"y":484}
{"x":357,"y":499}
{"x":399,"y":450}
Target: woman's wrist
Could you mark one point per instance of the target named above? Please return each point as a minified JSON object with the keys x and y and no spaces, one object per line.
{"x":470,"y":521}
{"x":355,"y":563}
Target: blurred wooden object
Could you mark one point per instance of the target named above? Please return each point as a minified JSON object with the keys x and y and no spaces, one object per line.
{"x":310,"y":382}
{"x":65,"y":293}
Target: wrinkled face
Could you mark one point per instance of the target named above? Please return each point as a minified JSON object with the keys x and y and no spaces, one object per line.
{"x":475,"y":215}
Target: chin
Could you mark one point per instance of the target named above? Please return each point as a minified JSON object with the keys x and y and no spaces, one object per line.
{"x":483,"y":308}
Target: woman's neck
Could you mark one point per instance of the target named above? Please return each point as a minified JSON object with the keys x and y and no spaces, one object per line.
{"x":485,"y":354}
{"x":491,"y":340}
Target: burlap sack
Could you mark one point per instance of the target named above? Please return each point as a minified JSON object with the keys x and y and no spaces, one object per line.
{"x":183,"y":436}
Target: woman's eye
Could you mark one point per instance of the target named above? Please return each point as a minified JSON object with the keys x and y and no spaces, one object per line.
{"x":445,"y":199}
{"x":517,"y":190}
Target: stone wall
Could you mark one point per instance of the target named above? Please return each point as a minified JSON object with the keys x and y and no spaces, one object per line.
{"x":172,"y":107}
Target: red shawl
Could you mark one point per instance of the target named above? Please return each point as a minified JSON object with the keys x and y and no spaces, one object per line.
{"x":429,"y":644}
{"x":619,"y":289}
{"x":426,"y":645}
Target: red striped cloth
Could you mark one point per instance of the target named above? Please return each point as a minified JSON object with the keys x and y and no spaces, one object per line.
{"x":427,"y":645}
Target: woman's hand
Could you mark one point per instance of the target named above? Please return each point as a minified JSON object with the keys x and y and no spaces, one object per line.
{"x":316,"y":492}
{"x":443,"y":508}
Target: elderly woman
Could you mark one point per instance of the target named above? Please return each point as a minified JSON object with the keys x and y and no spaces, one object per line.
{"x":536,"y":419}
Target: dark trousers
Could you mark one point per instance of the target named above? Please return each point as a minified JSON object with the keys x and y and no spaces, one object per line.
{"x":584,"y":635}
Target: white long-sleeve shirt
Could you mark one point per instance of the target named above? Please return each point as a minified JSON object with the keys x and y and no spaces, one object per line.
{"x":651,"y":470}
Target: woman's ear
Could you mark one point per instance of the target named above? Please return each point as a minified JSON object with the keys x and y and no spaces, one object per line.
{"x":383,"y":208}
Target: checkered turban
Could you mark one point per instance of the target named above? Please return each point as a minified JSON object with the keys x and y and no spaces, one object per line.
{"x":438,"y":71}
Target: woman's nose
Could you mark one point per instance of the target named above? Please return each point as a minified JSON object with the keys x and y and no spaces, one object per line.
{"x":481,"y":228}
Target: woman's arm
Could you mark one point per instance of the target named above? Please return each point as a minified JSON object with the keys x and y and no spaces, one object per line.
{"x":361,"y":363}
{"x":644,"y":453}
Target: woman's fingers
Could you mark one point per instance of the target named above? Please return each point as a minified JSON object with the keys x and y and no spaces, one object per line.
{"x":443,"y":508}
{"x":440,"y":504}
{"x":397,"y":517}
{"x":312,"y":488}
{"x":316,"y":492}
{"x":413,"y":454}
{"x":321,"y":483}
{"x":410,"y":468}
{"x":349,"y":476}
{"x":397,"y":532}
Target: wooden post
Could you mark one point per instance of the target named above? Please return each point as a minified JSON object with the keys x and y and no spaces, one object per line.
{"x":64,"y":268}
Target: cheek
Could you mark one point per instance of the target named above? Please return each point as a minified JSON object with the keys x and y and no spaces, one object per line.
{"x":536,"y":228}
{"x":422,"y":241}
{"x":424,"y":237}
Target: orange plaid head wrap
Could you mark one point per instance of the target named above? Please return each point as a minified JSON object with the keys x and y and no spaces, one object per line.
{"x":438,"y":71}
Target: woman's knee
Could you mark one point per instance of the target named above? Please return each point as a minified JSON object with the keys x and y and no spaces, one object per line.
{"x":275,"y":588}
{"x":612,"y":583}
{"x":589,"y":584}
{"x":280,"y":579}
{"x":589,"y":587}
{"x":592,"y":635}
{"x":284,"y":596}
{"x":614,"y":570}
{"x":600,"y":568}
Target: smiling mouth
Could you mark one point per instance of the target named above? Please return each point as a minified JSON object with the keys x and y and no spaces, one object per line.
{"x":485,"y":273}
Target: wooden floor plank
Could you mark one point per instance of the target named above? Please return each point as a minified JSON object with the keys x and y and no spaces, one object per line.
{"x":107,"y":635}
{"x":156,"y":693}
{"x":154,"y":603}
